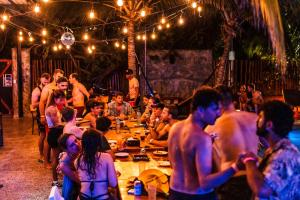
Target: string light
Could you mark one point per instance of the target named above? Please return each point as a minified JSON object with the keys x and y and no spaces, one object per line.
{"x":31,"y":39}
{"x":55,"y":48}
{"x":123,"y":47}
{"x":92,"y":14}
{"x":163,"y":20}
{"x":2,"y":26}
{"x":45,"y":1}
{"x":138,"y":37}
{"x":68,"y":47}
{"x":93,"y":47}
{"x":37,"y":8}
{"x":181,"y":21}
{"x":117,"y":44}
{"x":59,"y":46}
{"x":144,"y":37}
{"x":143,"y":13}
{"x":44,"y":32}
{"x":44,"y":41}
{"x":90,"y":51}
{"x":168,"y":25}
{"x":153,"y":36}
{"x":85,"y":36}
{"x":120,"y":3}
{"x":159,"y":27}
{"x":199,"y":8}
{"x":194,"y":4}
{"x":20,"y":33}
{"x":4,"y":17}
{"x":125,"y":30}
{"x":21,"y":38}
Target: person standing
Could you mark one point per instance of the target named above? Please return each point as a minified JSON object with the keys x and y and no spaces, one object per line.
{"x":277,"y":176}
{"x":190,"y":151}
{"x":133,"y":87}
{"x":34,"y":106}
{"x":78,"y":93}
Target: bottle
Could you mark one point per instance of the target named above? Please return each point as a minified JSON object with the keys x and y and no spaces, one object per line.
{"x":137,"y":188}
{"x":118,"y":125}
{"x":138,"y":116}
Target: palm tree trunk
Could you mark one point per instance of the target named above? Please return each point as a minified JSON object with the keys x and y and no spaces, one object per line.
{"x":131,"y":47}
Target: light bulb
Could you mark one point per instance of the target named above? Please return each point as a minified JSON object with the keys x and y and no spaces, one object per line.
{"x":44,"y":41}
{"x":20,"y":33}
{"x":181,"y":21}
{"x":59,"y":46}
{"x":163,"y":20}
{"x":44,"y":32}
{"x":144,"y":37}
{"x":138,"y":37}
{"x":2,"y":26}
{"x":68,"y":47}
{"x":159,"y":27}
{"x":120,"y":3}
{"x":31,"y":39}
{"x":85,"y":36}
{"x":199,"y":8}
{"x":45,"y":1}
{"x":143,"y":13}
{"x":55,"y":48}
{"x":123,"y":47}
{"x":117,"y":44}
{"x":153,"y":36}
{"x":92,"y":14}
{"x":4,"y":17}
{"x":194,"y":4}
{"x":125,"y":30}
{"x":21,"y":38}
{"x":93,"y":47}
{"x":90,"y":51}
{"x":168,"y":25}
{"x":37,"y":8}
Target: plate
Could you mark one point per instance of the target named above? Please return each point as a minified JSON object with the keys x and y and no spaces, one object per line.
{"x":122,"y":154}
{"x":160,"y":153}
{"x":164,"y":163}
{"x":137,"y":132}
{"x":112,"y":141}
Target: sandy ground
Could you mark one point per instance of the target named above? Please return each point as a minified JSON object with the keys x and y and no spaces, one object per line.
{"x":20,"y":173}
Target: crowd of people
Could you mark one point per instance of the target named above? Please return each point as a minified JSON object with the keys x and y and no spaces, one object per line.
{"x":213,"y":152}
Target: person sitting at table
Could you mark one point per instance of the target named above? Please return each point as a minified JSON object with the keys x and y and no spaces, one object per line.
{"x":71,"y":183}
{"x":145,"y":101}
{"x":95,"y":169}
{"x":119,"y":108}
{"x":160,"y":137}
{"x":96,"y":109}
{"x":154,"y":120}
{"x":69,"y":116}
{"x":145,"y":118}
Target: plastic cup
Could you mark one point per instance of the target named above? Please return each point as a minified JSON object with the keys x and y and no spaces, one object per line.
{"x":151,"y":192}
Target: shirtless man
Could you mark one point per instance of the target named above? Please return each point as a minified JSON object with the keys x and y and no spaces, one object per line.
{"x":190,"y":151}
{"x":78,"y":93}
{"x":47,"y":91}
{"x":235,"y":133}
{"x":133,"y":87}
{"x":35,"y":100}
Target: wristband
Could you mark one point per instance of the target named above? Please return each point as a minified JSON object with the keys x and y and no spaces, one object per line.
{"x":249,"y":159}
{"x":234,"y":167}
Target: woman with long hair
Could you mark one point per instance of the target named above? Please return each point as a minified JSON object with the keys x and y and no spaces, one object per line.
{"x":95,"y":169}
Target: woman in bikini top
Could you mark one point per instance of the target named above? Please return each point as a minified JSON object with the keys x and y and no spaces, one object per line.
{"x":96,"y":170}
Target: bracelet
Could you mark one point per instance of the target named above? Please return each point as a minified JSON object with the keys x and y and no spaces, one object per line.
{"x":249,"y":159}
{"x":234,"y":167}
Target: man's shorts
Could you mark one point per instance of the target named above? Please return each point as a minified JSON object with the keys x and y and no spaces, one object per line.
{"x":174,"y":195}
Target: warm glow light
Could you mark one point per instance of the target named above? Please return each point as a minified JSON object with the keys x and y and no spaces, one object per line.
{"x":120,"y":3}
{"x":153,"y":36}
{"x":68,"y":47}
{"x":143,"y":13}
{"x":21,"y":38}
{"x":4,"y":17}
{"x":199,"y":9}
{"x":44,"y":32}
{"x":44,"y":41}
{"x":163,"y":20}
{"x":31,"y":39}
{"x":55,"y":48}
{"x":45,"y":1}
{"x":168,"y":25}
{"x":194,"y":4}
{"x":123,"y":47}
{"x":20,"y":33}
{"x":117,"y":44}
{"x":159,"y":27}
{"x":85,"y":36}
{"x":144,"y":37}
{"x":125,"y":30}
{"x":59,"y":46}
{"x":2,"y":26}
{"x":138,"y":37}
{"x":181,"y":21}
{"x":93,"y":47}
{"x":37,"y":8}
{"x":92,"y":14}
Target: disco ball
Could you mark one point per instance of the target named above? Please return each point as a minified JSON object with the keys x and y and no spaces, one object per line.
{"x":67,"y":38}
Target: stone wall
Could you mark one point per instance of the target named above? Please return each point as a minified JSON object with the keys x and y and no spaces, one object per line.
{"x":176,"y":73}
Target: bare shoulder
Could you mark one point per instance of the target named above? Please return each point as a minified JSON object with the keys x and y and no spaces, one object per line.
{"x":177,"y":127}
